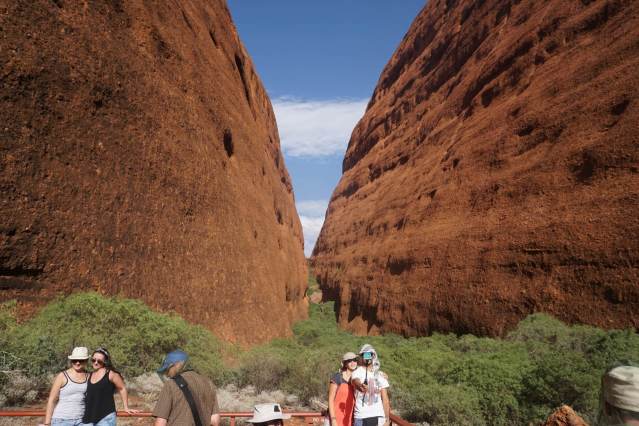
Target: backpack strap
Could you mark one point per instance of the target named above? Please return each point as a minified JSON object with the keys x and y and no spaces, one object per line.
{"x":179,"y":380}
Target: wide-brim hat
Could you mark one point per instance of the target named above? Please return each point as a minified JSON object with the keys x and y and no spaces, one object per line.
{"x":79,"y":353}
{"x":348,"y":356}
{"x":621,"y":387}
{"x":267,"y":412}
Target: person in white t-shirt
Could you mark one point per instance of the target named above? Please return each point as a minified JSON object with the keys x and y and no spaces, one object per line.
{"x":372,"y":405}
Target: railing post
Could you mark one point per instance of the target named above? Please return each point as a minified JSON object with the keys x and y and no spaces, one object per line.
{"x":232,"y":421}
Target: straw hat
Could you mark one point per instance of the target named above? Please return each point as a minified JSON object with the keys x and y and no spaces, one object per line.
{"x":79,"y":353}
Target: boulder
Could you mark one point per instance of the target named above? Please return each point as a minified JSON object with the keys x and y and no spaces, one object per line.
{"x":564,"y":416}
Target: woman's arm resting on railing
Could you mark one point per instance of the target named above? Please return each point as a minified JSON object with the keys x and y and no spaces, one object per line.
{"x":117,"y":380}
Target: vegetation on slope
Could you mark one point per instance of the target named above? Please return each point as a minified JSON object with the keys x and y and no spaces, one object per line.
{"x":441,"y":379}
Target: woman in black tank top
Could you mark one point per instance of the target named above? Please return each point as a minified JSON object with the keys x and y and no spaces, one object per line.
{"x":103,"y":382}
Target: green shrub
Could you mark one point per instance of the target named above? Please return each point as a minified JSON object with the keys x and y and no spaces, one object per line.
{"x":441,"y":379}
{"x":137,"y":337}
{"x":309,"y":377}
{"x":454,"y":405}
{"x":568,"y":363}
{"x":263,"y":370}
{"x":7,"y":317}
{"x":496,"y":377}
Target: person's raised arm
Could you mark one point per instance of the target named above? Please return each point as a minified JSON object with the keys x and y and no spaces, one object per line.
{"x":54,"y":394}
{"x":118,"y":382}
{"x":386,"y":404}
{"x":332,"y":390}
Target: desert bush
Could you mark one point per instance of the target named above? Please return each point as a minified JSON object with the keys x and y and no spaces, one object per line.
{"x":440,"y":379}
{"x":497,"y":378}
{"x":309,"y":377}
{"x":7,"y":317}
{"x":449,"y":379}
{"x":454,"y":405}
{"x":137,"y":337}
{"x":568,"y":362}
{"x":264,"y":370}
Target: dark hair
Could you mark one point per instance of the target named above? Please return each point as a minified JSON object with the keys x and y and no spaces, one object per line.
{"x":108,"y":363}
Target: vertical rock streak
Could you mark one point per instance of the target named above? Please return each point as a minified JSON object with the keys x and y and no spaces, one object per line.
{"x":140,"y":157}
{"x":494,"y":174}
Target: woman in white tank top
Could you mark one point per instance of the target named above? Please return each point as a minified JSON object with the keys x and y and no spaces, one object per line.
{"x":69,"y":389}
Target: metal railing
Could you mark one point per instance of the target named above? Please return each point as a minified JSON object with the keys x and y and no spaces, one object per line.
{"x":310,"y":418}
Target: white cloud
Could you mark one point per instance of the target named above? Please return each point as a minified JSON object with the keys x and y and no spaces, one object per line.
{"x":312,"y":217}
{"x":316,"y":128}
{"x":315,"y":208}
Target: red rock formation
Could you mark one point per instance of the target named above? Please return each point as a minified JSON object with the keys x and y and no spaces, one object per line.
{"x":140,"y":157}
{"x":564,"y":416}
{"x":494,"y":174}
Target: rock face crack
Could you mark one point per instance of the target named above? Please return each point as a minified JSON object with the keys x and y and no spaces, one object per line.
{"x":494,"y":174}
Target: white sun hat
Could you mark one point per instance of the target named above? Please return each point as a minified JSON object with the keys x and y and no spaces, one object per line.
{"x":267,"y":412}
{"x":79,"y":352}
{"x":621,"y":388}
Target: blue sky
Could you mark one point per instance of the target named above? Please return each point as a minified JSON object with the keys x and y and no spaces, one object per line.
{"x":319,"y":61}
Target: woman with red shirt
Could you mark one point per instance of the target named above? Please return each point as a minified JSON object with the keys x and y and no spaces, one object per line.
{"x":341,"y":400}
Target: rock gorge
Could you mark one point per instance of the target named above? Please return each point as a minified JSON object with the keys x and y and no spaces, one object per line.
{"x":140,"y":157}
{"x":494,"y":174}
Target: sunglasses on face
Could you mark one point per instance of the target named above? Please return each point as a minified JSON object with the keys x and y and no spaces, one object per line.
{"x":348,"y":361}
{"x":78,"y":361}
{"x":97,"y":361}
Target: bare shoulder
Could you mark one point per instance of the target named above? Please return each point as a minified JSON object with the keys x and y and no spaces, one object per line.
{"x":114,"y":375}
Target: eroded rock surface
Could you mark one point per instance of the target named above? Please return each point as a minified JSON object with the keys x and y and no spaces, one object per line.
{"x":494,"y":174}
{"x":564,"y":416}
{"x":140,"y":157}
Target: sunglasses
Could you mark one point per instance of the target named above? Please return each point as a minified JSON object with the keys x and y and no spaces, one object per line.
{"x":348,"y":361}
{"x":78,"y":361}
{"x":97,"y":361}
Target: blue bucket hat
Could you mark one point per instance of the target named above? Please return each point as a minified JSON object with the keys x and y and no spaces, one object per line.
{"x":172,"y":358}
